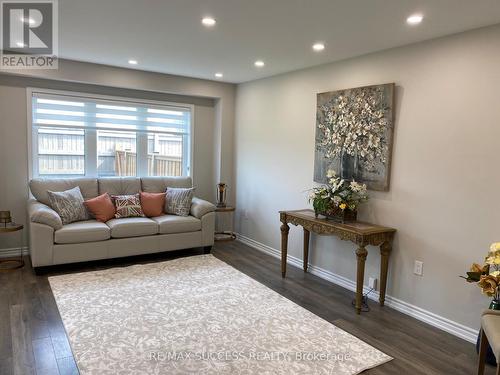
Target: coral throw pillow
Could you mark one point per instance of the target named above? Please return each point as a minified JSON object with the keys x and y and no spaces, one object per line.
{"x":128,"y":206}
{"x":152,"y":203}
{"x":101,"y":207}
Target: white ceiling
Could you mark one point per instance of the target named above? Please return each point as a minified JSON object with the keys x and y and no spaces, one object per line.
{"x":167,"y":36}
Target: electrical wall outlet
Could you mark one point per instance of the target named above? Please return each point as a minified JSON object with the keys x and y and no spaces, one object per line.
{"x":372,"y":283}
{"x":418,"y":268}
{"x":245,"y":214}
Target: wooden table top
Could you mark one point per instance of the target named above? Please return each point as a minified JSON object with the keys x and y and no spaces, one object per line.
{"x":357,"y":227}
{"x":225,"y":209}
{"x":10,"y":227}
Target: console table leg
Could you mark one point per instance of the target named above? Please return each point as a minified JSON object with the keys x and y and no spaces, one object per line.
{"x":306,"y":249}
{"x":361,"y":254}
{"x":385,"y":251}
{"x":284,"y":247}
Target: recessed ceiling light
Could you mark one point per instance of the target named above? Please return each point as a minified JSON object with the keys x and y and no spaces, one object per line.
{"x":318,"y":47}
{"x":208,"y":21}
{"x":20,"y":44}
{"x":132,"y":62}
{"x":219,"y":75}
{"x":259,"y":63}
{"x":31,"y":21}
{"x":414,"y":19}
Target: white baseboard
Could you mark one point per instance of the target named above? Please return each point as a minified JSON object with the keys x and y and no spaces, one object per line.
{"x":447,"y":325}
{"x":13,"y":252}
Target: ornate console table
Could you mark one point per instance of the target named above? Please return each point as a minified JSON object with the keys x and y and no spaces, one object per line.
{"x":362,"y":234}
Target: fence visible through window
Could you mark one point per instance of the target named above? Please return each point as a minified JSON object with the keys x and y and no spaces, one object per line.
{"x":81,"y":136}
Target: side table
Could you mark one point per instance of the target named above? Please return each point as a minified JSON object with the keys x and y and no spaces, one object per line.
{"x":12,"y":263}
{"x":227,"y":235}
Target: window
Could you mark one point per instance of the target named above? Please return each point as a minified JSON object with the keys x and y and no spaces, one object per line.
{"x":77,"y":135}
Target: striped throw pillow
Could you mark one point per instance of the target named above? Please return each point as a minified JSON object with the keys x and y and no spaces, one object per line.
{"x":178,"y":201}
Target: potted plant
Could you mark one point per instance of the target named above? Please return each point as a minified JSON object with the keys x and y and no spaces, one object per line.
{"x":487,"y":277}
{"x":338,"y":199}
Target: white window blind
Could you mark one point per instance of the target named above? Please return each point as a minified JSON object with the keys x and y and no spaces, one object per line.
{"x":75,"y":135}
{"x":58,"y":111}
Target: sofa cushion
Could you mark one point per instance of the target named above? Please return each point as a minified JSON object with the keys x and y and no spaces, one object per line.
{"x":160,"y":184}
{"x":82,"y":231}
{"x":177,"y":224}
{"x":132,"y":227}
{"x":119,"y":185}
{"x":40,"y":186}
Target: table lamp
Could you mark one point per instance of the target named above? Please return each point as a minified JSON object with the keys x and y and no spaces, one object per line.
{"x":5,"y":217}
{"x":221,"y":194}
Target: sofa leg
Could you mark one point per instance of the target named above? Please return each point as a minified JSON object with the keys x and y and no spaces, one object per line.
{"x":207,"y":249}
{"x":39,"y":271}
{"x":483,"y":346}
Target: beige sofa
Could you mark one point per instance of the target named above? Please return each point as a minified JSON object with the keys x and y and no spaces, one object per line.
{"x":53,"y":243}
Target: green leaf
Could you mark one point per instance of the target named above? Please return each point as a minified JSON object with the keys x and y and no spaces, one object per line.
{"x":474,"y":276}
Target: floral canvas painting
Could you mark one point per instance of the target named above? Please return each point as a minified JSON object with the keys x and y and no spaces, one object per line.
{"x":354,"y":131}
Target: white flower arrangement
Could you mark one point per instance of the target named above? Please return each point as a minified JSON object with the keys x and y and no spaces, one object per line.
{"x":337,"y":193}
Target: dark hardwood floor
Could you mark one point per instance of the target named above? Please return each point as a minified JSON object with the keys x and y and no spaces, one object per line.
{"x":33,"y":340}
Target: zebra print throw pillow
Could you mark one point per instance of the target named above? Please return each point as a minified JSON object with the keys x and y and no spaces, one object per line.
{"x":178,"y":201}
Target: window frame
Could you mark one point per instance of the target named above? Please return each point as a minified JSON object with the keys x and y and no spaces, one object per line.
{"x":90,"y":136}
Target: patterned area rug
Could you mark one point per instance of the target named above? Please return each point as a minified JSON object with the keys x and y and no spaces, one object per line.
{"x":197,"y":315}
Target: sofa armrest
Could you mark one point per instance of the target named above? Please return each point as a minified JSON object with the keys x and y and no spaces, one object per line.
{"x":41,"y":241}
{"x":43,"y":214}
{"x":208,"y":229}
{"x":200,"y":207}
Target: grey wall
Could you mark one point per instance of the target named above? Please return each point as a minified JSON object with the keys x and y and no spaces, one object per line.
{"x":213,"y":122}
{"x":444,"y":191}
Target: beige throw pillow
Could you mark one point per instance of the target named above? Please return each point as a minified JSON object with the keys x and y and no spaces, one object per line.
{"x":69,"y":205}
{"x":178,"y":201}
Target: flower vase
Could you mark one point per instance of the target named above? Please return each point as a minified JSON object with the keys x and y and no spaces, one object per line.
{"x":349,"y":165}
{"x":495,"y":304}
{"x":490,"y":357}
{"x":338,"y":215}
